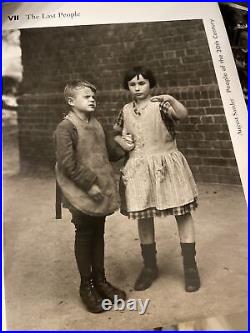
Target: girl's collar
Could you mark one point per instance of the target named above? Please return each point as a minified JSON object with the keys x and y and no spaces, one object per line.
{"x":137,"y":109}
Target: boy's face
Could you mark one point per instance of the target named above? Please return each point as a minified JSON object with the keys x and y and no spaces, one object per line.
{"x":83,"y":100}
{"x":139,"y":87}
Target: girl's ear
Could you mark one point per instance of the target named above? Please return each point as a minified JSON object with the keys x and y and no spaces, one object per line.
{"x":71,"y":101}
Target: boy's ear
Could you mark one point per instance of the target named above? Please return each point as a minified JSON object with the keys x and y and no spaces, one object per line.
{"x":71,"y":101}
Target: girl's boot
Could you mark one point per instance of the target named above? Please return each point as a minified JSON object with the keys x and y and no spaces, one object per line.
{"x":150,"y":270}
{"x":191,"y":274}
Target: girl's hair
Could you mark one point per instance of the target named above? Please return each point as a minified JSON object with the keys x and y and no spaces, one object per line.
{"x":146,"y":73}
{"x":74,"y":85}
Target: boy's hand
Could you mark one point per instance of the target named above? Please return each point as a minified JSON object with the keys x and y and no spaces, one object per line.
{"x":126,"y":145}
{"x":95,"y":193}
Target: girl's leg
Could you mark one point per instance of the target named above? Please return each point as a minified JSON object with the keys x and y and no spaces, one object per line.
{"x":148,"y":249}
{"x":186,"y":230}
{"x":146,"y":231}
{"x":104,"y":288}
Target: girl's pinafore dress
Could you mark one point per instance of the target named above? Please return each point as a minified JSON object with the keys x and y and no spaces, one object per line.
{"x":156,"y":179}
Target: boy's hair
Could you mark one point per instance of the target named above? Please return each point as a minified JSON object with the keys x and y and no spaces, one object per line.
{"x":146,"y":73}
{"x":74,"y":85}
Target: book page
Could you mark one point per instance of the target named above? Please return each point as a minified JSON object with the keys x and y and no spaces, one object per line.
{"x":186,"y":46}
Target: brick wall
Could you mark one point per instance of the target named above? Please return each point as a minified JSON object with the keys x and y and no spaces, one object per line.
{"x":176,"y":51}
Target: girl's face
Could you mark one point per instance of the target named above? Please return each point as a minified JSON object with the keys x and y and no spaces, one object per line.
{"x":139,"y":87}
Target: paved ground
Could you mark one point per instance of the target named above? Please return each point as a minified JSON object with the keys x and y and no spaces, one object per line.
{"x":41,"y":277}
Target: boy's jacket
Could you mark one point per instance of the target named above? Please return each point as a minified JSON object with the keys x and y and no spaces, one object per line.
{"x":82,"y":160}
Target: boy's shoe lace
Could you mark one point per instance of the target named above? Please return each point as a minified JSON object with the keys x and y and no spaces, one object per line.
{"x":90,"y":296}
{"x":108,"y":291}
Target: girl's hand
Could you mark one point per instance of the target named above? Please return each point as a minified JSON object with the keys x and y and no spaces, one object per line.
{"x":127,"y":146}
{"x":162,"y":98}
{"x":177,"y":109}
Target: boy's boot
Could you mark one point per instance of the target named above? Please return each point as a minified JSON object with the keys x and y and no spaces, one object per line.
{"x":106,"y":289}
{"x":83,"y":253}
{"x":90,"y":296}
{"x":191,"y":274}
{"x":150,"y":270}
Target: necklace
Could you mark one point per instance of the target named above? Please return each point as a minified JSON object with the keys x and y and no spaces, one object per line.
{"x":139,"y":109}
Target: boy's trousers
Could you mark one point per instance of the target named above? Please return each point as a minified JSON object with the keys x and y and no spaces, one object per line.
{"x":89,"y":243}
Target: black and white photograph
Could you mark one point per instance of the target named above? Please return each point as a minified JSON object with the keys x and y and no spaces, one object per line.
{"x":123,"y":193}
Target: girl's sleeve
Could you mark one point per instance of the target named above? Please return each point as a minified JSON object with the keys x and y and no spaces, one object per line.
{"x":165,"y":108}
{"x":65,"y":141}
{"x":115,"y":152}
{"x":119,"y":123}
{"x":166,"y":116}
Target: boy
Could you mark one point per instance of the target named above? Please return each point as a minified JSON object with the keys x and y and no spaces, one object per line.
{"x":86,"y":180}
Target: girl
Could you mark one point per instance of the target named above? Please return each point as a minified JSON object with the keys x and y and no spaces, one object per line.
{"x":156,"y":179}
